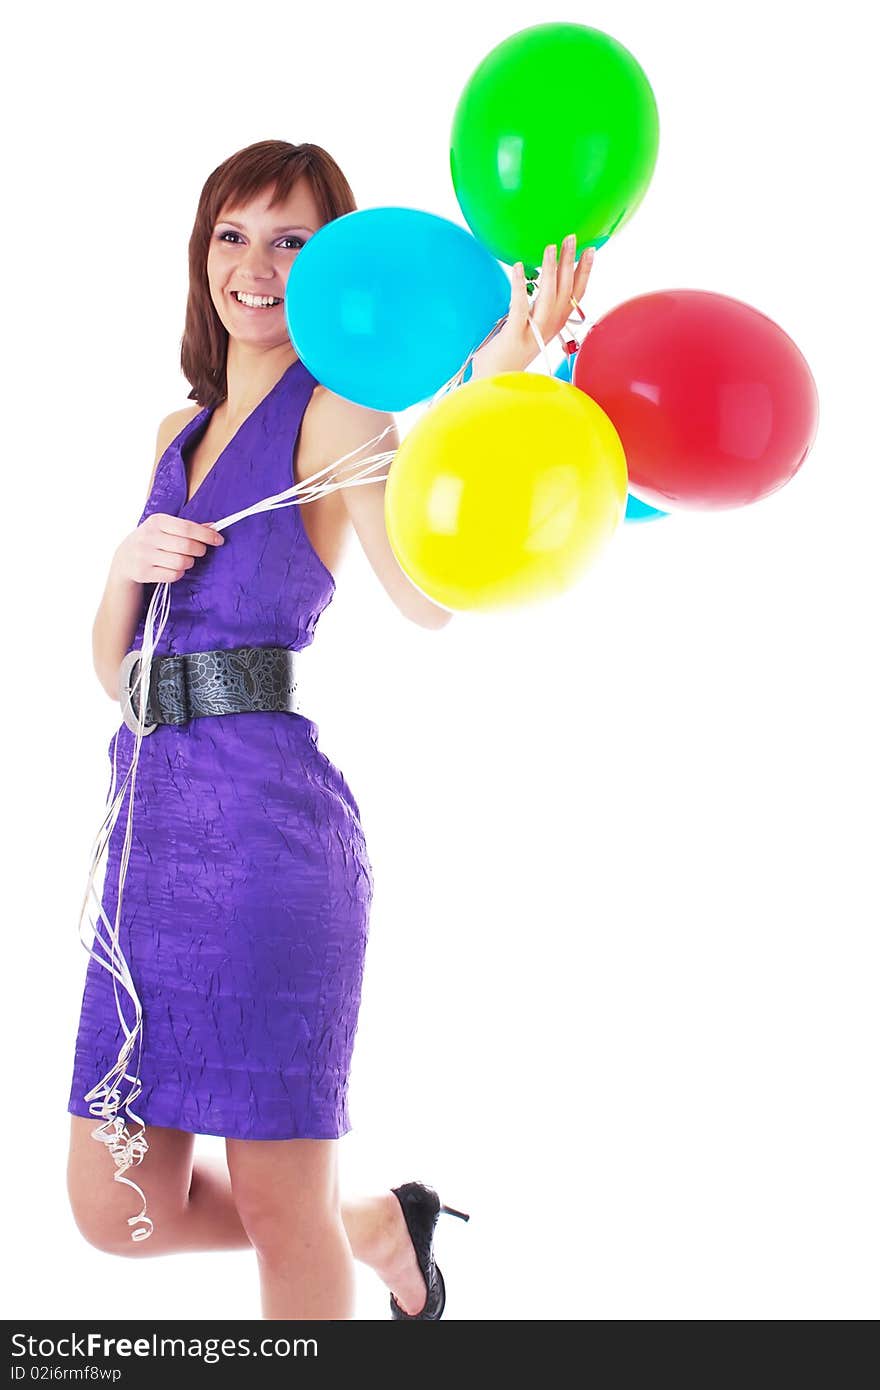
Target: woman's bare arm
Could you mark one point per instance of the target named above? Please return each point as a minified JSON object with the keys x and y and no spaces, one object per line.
{"x":339,"y":427}
{"x":117,"y":617}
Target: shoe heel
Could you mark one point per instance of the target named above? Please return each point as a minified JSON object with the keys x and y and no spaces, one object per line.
{"x":464,"y":1216}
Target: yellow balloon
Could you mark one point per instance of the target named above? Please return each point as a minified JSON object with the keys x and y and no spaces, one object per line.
{"x":505,"y":491}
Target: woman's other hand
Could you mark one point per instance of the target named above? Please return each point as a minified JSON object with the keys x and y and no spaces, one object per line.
{"x":163,"y":548}
{"x":514,"y":346}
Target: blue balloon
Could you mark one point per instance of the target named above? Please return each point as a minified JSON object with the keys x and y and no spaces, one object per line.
{"x":384,"y":305}
{"x":641,"y":511}
{"x":635,"y":509}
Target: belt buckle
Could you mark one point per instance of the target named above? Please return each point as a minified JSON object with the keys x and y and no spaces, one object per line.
{"x":128,"y":715}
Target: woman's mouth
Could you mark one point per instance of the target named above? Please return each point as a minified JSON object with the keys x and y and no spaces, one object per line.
{"x":256,"y":303}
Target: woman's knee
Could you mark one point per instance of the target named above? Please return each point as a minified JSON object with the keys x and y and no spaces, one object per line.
{"x":102,"y":1218}
{"x":285,"y":1191}
{"x":112,"y":1223}
{"x":276,"y":1231}
{"x":107,"y":1237}
{"x":101,"y":1206}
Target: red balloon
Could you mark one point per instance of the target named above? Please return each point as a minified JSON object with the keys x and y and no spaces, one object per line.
{"x":714,"y":404}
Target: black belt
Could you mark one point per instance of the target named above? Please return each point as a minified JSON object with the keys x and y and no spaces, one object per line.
{"x":186,"y":685}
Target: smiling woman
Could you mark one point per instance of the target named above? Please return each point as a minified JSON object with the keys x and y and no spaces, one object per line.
{"x":247,"y":880}
{"x":256,"y":211}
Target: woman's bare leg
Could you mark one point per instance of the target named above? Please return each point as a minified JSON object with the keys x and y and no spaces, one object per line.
{"x":287,"y":1193}
{"x":192,"y":1207}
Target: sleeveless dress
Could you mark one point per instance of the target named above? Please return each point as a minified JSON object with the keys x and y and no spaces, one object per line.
{"x":246,"y":899}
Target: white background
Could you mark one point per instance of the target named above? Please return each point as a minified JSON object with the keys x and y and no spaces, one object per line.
{"x":621,"y":985}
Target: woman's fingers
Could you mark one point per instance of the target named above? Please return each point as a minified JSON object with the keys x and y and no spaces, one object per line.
{"x":558,"y":285}
{"x":519,"y":296}
{"x":582,"y":274}
{"x":565,"y":272}
{"x":544,"y":303}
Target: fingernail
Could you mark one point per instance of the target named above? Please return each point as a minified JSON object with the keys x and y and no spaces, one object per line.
{"x":570,"y":241}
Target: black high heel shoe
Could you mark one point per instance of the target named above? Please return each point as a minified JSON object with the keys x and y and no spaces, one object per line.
{"x":421,"y":1207}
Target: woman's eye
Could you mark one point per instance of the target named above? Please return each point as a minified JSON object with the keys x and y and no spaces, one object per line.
{"x":223,"y":235}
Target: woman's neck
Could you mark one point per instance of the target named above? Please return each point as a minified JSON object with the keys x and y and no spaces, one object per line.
{"x":250,"y":376}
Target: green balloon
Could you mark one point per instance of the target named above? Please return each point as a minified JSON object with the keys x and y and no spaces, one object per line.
{"x":556,"y":131}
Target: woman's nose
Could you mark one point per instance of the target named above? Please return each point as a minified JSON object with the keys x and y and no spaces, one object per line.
{"x":257,"y":263}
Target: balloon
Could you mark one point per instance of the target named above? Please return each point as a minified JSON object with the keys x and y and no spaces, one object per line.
{"x":384,"y":305}
{"x":640,"y":511}
{"x":565,"y":370}
{"x":635,"y":510}
{"x":504,"y":492}
{"x":525,"y":178}
{"x":714,"y":404}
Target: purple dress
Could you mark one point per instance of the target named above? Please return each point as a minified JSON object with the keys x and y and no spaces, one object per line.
{"x":246,"y":901}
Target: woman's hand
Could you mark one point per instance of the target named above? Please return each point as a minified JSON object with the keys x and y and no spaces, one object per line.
{"x":515,"y":346}
{"x":163,"y":548}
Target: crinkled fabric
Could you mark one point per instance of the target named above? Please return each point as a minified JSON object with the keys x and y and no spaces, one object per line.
{"x":247,"y":895}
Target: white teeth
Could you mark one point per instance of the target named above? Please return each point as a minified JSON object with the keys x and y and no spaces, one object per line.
{"x":256,"y":301}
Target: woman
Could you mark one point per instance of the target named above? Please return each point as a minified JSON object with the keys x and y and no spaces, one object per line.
{"x":248,"y":884}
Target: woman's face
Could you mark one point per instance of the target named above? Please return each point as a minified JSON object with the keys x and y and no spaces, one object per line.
{"x":251,"y":251}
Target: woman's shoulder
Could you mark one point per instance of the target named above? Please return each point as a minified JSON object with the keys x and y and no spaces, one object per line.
{"x":334,"y":428}
{"x":335,"y":425}
{"x":170,"y":427}
{"x":333,"y":407}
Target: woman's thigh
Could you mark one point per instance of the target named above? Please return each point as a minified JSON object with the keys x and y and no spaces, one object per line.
{"x":101,"y":1206}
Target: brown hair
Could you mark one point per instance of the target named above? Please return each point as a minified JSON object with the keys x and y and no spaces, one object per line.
{"x":240,"y":178}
